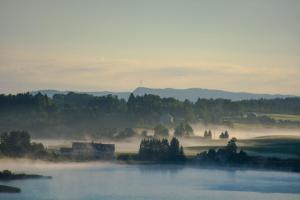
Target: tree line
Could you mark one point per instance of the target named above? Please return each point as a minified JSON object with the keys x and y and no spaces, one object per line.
{"x":149,"y":103}
{"x":155,"y":149}
{"x":227,"y":155}
{"x":230,"y":155}
{"x":75,"y":113}
{"x":18,"y":144}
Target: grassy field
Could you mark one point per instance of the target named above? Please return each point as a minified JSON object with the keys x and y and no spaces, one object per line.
{"x":275,"y":146}
{"x":284,"y":117}
{"x":248,"y":126}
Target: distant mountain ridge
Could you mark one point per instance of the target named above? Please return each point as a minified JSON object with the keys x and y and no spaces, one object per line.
{"x":191,"y":94}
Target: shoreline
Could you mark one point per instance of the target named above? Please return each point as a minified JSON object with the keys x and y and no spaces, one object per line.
{"x":9,"y":189}
{"x":6,"y":176}
{"x":188,"y":163}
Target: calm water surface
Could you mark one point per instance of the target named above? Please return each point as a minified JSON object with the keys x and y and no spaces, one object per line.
{"x":116,"y":182}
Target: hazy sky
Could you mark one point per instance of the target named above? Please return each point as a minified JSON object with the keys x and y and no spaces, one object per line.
{"x":88,"y":45}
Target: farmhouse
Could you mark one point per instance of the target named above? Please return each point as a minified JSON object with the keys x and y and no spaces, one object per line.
{"x":91,"y":150}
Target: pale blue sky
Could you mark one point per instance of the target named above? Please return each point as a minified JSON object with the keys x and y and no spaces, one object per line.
{"x":88,"y":45}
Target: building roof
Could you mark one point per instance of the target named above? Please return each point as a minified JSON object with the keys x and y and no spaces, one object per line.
{"x":92,"y":145}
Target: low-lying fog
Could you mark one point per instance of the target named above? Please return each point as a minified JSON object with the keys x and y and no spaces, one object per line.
{"x":132,"y":144}
{"x":244,"y":133}
{"x":77,"y":181}
{"x":24,"y":165}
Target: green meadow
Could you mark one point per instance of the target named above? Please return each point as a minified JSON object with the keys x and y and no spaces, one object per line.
{"x":284,"y":117}
{"x":276,"y":146}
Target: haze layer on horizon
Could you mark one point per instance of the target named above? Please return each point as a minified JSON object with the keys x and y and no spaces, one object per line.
{"x":251,"y":46}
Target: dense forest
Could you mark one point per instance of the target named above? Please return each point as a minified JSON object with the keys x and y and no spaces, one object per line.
{"x":75,"y":114}
{"x":154,"y":149}
{"x":18,"y":144}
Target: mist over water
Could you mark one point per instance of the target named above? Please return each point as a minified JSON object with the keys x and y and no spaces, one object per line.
{"x":28,"y":165}
{"x":89,"y":181}
{"x":109,"y":181}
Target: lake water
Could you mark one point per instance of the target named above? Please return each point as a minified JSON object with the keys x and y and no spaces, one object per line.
{"x":150,"y":182}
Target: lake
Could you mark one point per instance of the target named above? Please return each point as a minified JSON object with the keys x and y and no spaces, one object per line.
{"x":148,"y":182}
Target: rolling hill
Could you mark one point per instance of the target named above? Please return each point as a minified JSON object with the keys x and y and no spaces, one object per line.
{"x":191,"y":94}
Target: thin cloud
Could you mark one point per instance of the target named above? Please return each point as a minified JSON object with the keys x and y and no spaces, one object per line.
{"x":99,"y":73}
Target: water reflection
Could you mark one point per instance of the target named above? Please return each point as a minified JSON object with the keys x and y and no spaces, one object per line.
{"x":255,"y":188}
{"x":171,"y":169}
{"x":148,"y":182}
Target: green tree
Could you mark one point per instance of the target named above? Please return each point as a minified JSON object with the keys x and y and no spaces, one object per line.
{"x":155,"y":149}
{"x":181,"y":156}
{"x":174,"y":148}
{"x":144,"y":133}
{"x":161,"y":131}
{"x":231,"y":147}
{"x":18,"y":144}
{"x":183,"y":129}
{"x":126,"y":133}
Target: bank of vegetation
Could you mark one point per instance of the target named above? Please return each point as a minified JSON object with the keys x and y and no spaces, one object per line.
{"x":9,"y":189}
{"x":6,"y":176}
{"x":17,"y":144}
{"x":75,"y":115}
{"x":231,"y":156}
